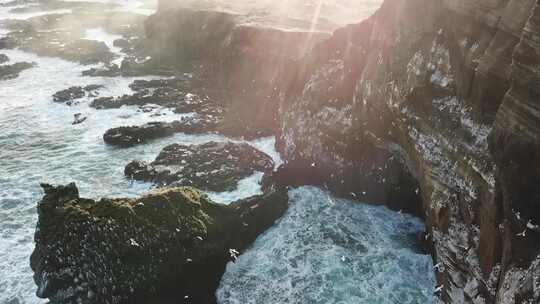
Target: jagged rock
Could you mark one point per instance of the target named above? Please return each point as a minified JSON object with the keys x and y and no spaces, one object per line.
{"x":134,"y":135}
{"x":212,"y":166}
{"x":167,"y":245}
{"x":170,"y":93}
{"x":70,"y":95}
{"x":414,"y":91}
{"x":11,"y":71}
{"x":3,"y":58}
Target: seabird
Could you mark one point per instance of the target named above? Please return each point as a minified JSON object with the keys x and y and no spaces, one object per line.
{"x":438,"y":267}
{"x":438,"y":289}
{"x":199,"y":238}
{"x":234,"y":254}
{"x":353,"y":194}
{"x":531,"y":226}
{"x":188,"y":260}
{"x":522,"y":234}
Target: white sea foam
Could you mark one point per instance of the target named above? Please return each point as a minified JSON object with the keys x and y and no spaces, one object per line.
{"x":330,"y":250}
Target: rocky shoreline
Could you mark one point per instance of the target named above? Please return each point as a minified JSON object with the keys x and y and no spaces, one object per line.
{"x":427,"y":107}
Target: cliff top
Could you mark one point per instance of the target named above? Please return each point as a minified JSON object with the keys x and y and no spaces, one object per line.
{"x":288,"y":14}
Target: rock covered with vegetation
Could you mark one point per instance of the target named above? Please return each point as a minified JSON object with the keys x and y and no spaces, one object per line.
{"x":171,"y":244}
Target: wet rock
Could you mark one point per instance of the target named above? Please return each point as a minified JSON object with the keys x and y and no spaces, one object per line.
{"x":130,"y":136}
{"x":134,"y":135}
{"x":71,"y":95}
{"x":212,"y":166}
{"x":11,"y":71}
{"x":131,"y":67}
{"x":164,"y":246}
{"x":3,"y":58}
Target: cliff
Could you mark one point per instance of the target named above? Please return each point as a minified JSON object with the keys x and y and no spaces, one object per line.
{"x":429,"y":105}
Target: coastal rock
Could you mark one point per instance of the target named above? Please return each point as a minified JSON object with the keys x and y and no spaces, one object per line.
{"x":212,"y":166}
{"x":69,"y":96}
{"x":134,"y":135}
{"x":407,"y":97}
{"x":168,"y":245}
{"x":3,"y":58}
{"x":11,"y":71}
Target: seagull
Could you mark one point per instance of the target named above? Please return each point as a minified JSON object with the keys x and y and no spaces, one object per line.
{"x":188,"y":260}
{"x":343,"y":258}
{"x":438,"y":267}
{"x":313,"y":164}
{"x":426,"y":237}
{"x":417,"y":190}
{"x":518,"y":215}
{"x":199,"y":238}
{"x":438,"y":289}
{"x":522,"y":234}
{"x":531,"y":226}
{"x":353,"y":194}
{"x":234,"y":254}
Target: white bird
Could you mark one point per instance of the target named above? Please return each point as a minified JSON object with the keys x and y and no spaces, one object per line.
{"x":417,"y":190}
{"x":426,"y":237}
{"x":313,"y":164}
{"x":531,"y":226}
{"x":199,"y":238}
{"x":188,"y":260}
{"x":518,"y":215}
{"x":234,"y":254}
{"x":438,"y":289}
{"x":438,"y":267}
{"x":343,"y":258}
{"x":353,"y":194}
{"x":522,"y":234}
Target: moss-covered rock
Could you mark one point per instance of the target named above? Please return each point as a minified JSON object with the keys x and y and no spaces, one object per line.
{"x":169,"y":244}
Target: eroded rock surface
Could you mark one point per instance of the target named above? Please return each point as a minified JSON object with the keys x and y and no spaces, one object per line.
{"x":71,"y":95}
{"x":406,"y":98}
{"x":135,"y":135}
{"x":212,"y":166}
{"x":168,"y":245}
{"x":11,"y":71}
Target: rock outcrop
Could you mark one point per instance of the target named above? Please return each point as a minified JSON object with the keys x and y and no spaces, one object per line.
{"x":429,"y":103}
{"x":71,"y":95}
{"x":11,"y":71}
{"x":135,"y":135}
{"x":169,"y":245}
{"x":212,"y":166}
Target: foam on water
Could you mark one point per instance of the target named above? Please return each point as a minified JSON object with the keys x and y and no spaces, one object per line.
{"x":303,"y":252}
{"x":99,"y":34}
{"x":329,"y":250}
{"x":39,"y":144}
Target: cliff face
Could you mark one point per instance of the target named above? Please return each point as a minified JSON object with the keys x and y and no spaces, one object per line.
{"x":429,"y":105}
{"x":427,"y":82}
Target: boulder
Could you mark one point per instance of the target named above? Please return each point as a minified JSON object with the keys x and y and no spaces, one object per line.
{"x":212,"y":166}
{"x":167,"y":246}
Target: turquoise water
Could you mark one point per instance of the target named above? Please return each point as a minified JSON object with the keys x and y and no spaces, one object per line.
{"x":329,"y":250}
